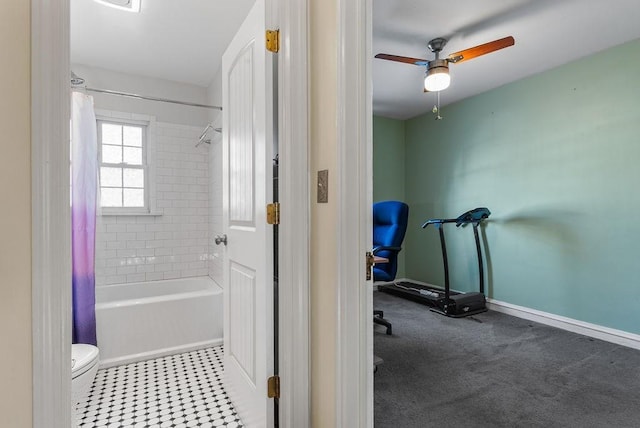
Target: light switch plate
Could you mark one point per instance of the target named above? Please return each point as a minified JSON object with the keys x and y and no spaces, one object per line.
{"x":323,"y":186}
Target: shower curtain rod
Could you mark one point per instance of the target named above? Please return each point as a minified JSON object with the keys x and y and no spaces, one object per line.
{"x":144,"y":97}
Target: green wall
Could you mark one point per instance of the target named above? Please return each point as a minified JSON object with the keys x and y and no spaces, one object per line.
{"x":556,"y":158}
{"x":388,"y":159}
{"x":389,"y":167}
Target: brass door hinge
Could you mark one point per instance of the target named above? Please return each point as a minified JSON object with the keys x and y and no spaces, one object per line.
{"x":273,"y":213}
{"x":369,"y":261}
{"x":273,"y":387}
{"x":273,"y":40}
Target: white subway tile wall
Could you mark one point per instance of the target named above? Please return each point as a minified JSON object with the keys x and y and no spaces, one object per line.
{"x":174,"y":244}
{"x":215,"y":209}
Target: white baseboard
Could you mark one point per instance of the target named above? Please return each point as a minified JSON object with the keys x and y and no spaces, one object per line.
{"x":607,"y":334}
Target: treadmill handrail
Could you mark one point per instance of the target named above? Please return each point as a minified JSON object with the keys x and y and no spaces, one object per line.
{"x":439,"y":221}
{"x":474,"y":216}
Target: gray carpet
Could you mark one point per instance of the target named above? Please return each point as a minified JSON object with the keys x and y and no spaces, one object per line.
{"x":494,"y":370}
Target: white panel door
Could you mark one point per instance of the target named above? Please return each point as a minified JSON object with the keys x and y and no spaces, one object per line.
{"x":247,"y":90}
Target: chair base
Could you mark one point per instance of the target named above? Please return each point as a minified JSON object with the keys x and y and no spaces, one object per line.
{"x":376,"y":362}
{"x":378,"y":318}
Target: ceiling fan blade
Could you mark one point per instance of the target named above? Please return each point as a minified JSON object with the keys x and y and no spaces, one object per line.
{"x":476,"y":51}
{"x":405,"y":59}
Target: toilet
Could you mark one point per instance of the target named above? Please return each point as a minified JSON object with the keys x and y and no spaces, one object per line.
{"x":84,"y":366}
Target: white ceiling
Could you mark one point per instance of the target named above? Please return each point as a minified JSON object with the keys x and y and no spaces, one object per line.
{"x":548,"y":33}
{"x":179,"y":40}
{"x":184,"y":40}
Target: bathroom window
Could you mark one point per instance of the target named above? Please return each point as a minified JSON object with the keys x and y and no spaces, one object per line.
{"x":123,"y":167}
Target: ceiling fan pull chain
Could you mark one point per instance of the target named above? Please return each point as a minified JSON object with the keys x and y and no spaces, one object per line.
{"x":436,"y":108}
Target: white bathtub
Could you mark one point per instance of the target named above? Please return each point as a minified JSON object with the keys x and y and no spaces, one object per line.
{"x":145,"y":320}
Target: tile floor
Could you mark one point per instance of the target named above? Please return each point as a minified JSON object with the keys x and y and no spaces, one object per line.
{"x":183,"y":390}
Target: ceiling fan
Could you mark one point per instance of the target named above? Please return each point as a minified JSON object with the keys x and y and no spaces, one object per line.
{"x":437,"y":77}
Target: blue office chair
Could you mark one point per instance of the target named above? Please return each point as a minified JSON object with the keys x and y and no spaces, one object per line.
{"x":389,"y":226}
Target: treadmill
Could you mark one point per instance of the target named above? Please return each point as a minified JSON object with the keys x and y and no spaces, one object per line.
{"x":447,"y":302}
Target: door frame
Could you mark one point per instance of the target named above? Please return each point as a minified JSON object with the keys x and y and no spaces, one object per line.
{"x":51,"y":244}
{"x":294,"y":194}
{"x":50,"y":213}
{"x":354,"y":377}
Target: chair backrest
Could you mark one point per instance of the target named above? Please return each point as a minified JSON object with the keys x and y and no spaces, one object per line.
{"x":389,"y":226}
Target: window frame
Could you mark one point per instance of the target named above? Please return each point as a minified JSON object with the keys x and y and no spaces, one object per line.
{"x":147,"y":123}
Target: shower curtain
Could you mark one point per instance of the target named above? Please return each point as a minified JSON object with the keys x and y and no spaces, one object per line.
{"x":84,"y":174}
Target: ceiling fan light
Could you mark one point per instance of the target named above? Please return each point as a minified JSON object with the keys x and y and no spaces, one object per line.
{"x":437,"y":78}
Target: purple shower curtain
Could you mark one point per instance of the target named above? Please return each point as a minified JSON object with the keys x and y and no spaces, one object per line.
{"x":84,"y":174}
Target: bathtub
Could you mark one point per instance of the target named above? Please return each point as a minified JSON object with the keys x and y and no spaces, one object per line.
{"x":144,"y":320}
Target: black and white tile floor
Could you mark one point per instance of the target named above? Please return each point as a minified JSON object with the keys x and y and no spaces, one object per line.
{"x":183,"y":390}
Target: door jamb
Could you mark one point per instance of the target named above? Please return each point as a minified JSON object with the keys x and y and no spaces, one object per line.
{"x":294,"y":232}
{"x":50,"y":214}
{"x":354,"y":395}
